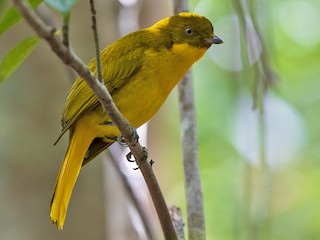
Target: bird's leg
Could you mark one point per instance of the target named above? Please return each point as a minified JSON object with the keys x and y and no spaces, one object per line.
{"x":122,"y":142}
{"x":134,"y":138}
{"x":130,"y":142}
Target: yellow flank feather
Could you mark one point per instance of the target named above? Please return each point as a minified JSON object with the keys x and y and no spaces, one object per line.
{"x":139,"y":70}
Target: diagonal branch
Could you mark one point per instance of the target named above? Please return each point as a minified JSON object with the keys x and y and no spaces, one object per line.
{"x":115,"y":151}
{"x":127,"y":131}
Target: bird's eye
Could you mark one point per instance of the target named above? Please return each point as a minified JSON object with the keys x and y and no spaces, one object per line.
{"x":189,"y":30}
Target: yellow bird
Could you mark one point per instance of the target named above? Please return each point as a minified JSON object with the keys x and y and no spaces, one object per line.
{"x":139,"y":70}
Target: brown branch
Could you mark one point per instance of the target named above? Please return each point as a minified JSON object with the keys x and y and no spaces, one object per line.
{"x":132,"y":193}
{"x":194,"y":198}
{"x":127,"y":131}
{"x":120,"y":171}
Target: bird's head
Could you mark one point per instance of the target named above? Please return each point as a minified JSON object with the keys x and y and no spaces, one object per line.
{"x":192,"y":29}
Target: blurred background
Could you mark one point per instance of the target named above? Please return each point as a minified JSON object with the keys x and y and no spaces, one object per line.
{"x":258,"y":108}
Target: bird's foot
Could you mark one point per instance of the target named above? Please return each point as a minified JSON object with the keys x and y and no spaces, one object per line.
{"x":130,"y":142}
{"x":130,"y":158}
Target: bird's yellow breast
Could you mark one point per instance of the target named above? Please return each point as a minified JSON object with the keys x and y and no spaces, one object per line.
{"x":143,"y":96}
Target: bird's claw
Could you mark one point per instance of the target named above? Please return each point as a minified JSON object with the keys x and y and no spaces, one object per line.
{"x":130,"y":142}
{"x":130,"y":158}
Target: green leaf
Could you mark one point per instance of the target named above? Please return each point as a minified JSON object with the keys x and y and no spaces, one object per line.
{"x":12,"y":16}
{"x":62,"y":6}
{"x":3,"y":3}
{"x":16,"y":56}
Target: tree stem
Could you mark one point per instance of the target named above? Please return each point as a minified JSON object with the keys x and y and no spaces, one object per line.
{"x":188,"y":123}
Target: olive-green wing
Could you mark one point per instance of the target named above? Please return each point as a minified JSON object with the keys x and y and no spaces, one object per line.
{"x":121,"y":61}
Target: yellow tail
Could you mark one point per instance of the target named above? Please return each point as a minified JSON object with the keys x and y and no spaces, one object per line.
{"x":80,"y":141}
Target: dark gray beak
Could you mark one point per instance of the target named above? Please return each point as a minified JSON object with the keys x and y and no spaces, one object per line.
{"x":214,"y":40}
{"x":217,"y":40}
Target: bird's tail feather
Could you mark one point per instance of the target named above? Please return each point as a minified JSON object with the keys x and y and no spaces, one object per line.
{"x":69,"y":171}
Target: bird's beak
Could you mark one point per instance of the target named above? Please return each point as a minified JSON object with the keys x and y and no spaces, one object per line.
{"x":214,"y":40}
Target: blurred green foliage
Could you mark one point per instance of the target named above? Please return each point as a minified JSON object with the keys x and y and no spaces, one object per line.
{"x":12,"y":16}
{"x":260,"y":172}
{"x":16,"y":56}
{"x":273,"y":194}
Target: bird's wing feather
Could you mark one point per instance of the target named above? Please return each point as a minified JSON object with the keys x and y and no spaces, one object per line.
{"x":120,"y":63}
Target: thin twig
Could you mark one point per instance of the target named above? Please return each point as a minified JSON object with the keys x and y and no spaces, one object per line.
{"x":140,"y":154}
{"x":194,"y":198}
{"x":264,"y":75}
{"x":65,"y":29}
{"x":96,"y":40}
